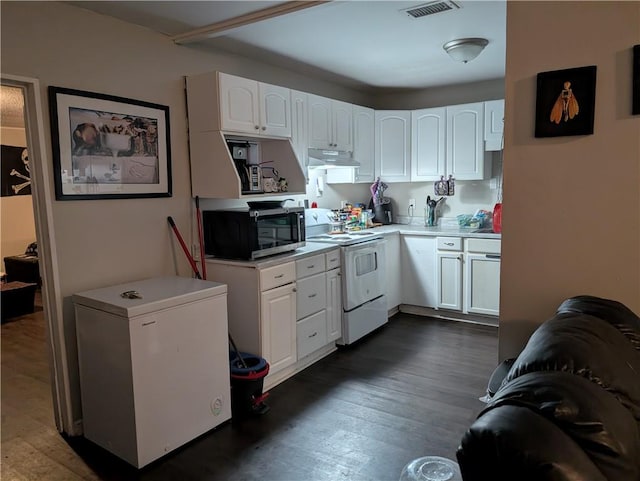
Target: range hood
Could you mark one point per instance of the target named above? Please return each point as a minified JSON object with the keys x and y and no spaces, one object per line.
{"x":323,"y":159}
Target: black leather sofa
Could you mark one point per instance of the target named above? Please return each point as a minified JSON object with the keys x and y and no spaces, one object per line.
{"x":568,"y":409}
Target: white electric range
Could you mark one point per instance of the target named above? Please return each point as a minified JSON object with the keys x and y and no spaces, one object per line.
{"x":364,"y":304}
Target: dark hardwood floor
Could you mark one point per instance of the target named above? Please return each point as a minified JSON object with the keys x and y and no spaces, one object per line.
{"x":406,"y":391}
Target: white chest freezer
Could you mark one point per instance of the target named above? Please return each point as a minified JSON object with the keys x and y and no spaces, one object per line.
{"x":154,"y":369}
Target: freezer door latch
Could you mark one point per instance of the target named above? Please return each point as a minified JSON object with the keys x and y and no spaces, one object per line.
{"x":131,"y":295}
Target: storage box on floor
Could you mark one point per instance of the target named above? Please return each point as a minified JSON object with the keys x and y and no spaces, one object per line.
{"x":17,"y":299}
{"x":154,"y":365}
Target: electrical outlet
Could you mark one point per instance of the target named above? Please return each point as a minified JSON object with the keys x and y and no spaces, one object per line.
{"x":412,"y":203}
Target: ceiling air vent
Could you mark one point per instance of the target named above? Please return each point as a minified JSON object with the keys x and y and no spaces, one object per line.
{"x":431,"y":8}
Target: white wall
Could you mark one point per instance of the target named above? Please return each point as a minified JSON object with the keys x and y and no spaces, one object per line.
{"x":17,"y":226}
{"x":571,"y":218}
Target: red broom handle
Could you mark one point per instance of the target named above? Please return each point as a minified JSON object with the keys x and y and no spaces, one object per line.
{"x":184,"y":247}
{"x":201,"y":239}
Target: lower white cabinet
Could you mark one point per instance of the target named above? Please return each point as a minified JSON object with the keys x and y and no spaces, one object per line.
{"x":278,"y":327}
{"x":468,"y":275}
{"x":312,"y":333}
{"x":482,"y":276}
{"x":393,"y":270}
{"x":334,"y":304}
{"x":418,"y":255}
{"x":449,"y":273}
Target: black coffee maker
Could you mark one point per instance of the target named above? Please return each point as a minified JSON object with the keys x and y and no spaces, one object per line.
{"x":383,"y":212}
{"x":250,"y":175}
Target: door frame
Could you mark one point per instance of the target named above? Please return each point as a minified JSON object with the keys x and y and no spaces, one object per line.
{"x":47,"y":254}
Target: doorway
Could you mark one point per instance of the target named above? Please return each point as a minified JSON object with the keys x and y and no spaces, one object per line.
{"x":41,"y":215}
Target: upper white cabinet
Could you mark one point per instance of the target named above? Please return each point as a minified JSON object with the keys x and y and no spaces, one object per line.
{"x":253,"y":107}
{"x":393,"y":145}
{"x":300,"y":128}
{"x":330,"y":124}
{"x":493,"y":124}
{"x":428,"y":146}
{"x":465,"y":142}
{"x":364,"y":143}
{"x":223,"y":107}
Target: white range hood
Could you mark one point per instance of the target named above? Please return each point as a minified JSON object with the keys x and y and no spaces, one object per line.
{"x":324,"y":158}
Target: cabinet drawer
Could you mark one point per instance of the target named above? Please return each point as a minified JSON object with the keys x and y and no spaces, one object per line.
{"x":310,"y":266}
{"x":277,"y":276}
{"x":449,"y":243}
{"x":486,"y":246}
{"x":311,"y":296}
{"x":311,"y":333}
{"x":332,"y":259}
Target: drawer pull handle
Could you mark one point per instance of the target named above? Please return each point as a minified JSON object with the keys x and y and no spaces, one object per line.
{"x":313,"y":335}
{"x":148,"y":323}
{"x":492,"y":256}
{"x":294,"y":290}
{"x":279,"y":276}
{"x":311,"y":266}
{"x":448,"y":243}
{"x":312,"y":296}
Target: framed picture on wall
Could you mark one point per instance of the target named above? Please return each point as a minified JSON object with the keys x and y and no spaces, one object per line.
{"x":565,"y":102}
{"x":107,"y":147}
{"x":635,"y":107}
{"x":15,"y":175}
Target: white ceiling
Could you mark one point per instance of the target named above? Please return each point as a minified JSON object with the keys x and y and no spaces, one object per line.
{"x":357,"y":43}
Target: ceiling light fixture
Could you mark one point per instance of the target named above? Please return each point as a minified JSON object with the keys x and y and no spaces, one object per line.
{"x":465,"y":49}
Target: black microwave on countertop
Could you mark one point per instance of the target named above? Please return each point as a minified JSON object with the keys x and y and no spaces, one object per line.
{"x":246,"y":233}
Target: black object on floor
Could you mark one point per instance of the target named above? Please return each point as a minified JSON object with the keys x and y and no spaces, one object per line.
{"x":17,"y":299}
{"x":498,"y":375}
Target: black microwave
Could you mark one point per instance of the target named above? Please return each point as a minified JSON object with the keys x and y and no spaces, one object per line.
{"x":247,"y":233}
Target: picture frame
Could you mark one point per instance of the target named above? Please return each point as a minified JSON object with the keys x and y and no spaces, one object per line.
{"x":635,"y":102}
{"x":565,"y":102}
{"x":108,"y":147}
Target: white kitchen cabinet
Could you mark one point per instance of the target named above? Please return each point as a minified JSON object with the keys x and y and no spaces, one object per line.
{"x":278,"y":327}
{"x":449,"y":273}
{"x":224,"y":107}
{"x":252,"y":107}
{"x":334,"y":304}
{"x":393,"y":145}
{"x":330,"y":124}
{"x":428,"y":144}
{"x":363,"y":150}
{"x":300,"y":128}
{"x":482,"y":276}
{"x":154,"y":370}
{"x":465,"y":142}
{"x":418,"y":254}
{"x":393,"y":270}
{"x":364,"y":143}
{"x":493,"y":124}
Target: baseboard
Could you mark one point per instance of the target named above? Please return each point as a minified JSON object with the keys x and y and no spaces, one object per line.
{"x":449,"y":315}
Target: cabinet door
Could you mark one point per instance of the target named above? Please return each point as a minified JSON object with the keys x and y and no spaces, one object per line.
{"x":278,"y":324}
{"x":393,"y":135}
{"x":239,"y":104}
{"x":465,"y":142}
{"x":482,"y":284}
{"x":418,"y":254}
{"x":493,"y":124}
{"x":334,"y":305}
{"x":342,"y":125}
{"x":275,"y":110}
{"x":428,"y":144}
{"x":393,"y":258}
{"x":320,"y":122}
{"x":449,"y":279}
{"x":364,"y":143}
{"x":299,"y":128}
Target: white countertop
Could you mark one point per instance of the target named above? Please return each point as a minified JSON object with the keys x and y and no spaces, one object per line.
{"x":437,"y":231}
{"x":311,"y":248}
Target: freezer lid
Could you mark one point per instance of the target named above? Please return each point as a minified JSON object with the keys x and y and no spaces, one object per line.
{"x":157,"y":293}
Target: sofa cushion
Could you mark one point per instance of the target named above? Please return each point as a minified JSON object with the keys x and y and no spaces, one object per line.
{"x":594,"y":419}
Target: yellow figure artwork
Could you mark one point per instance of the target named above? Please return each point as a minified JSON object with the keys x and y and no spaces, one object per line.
{"x":566,"y":105}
